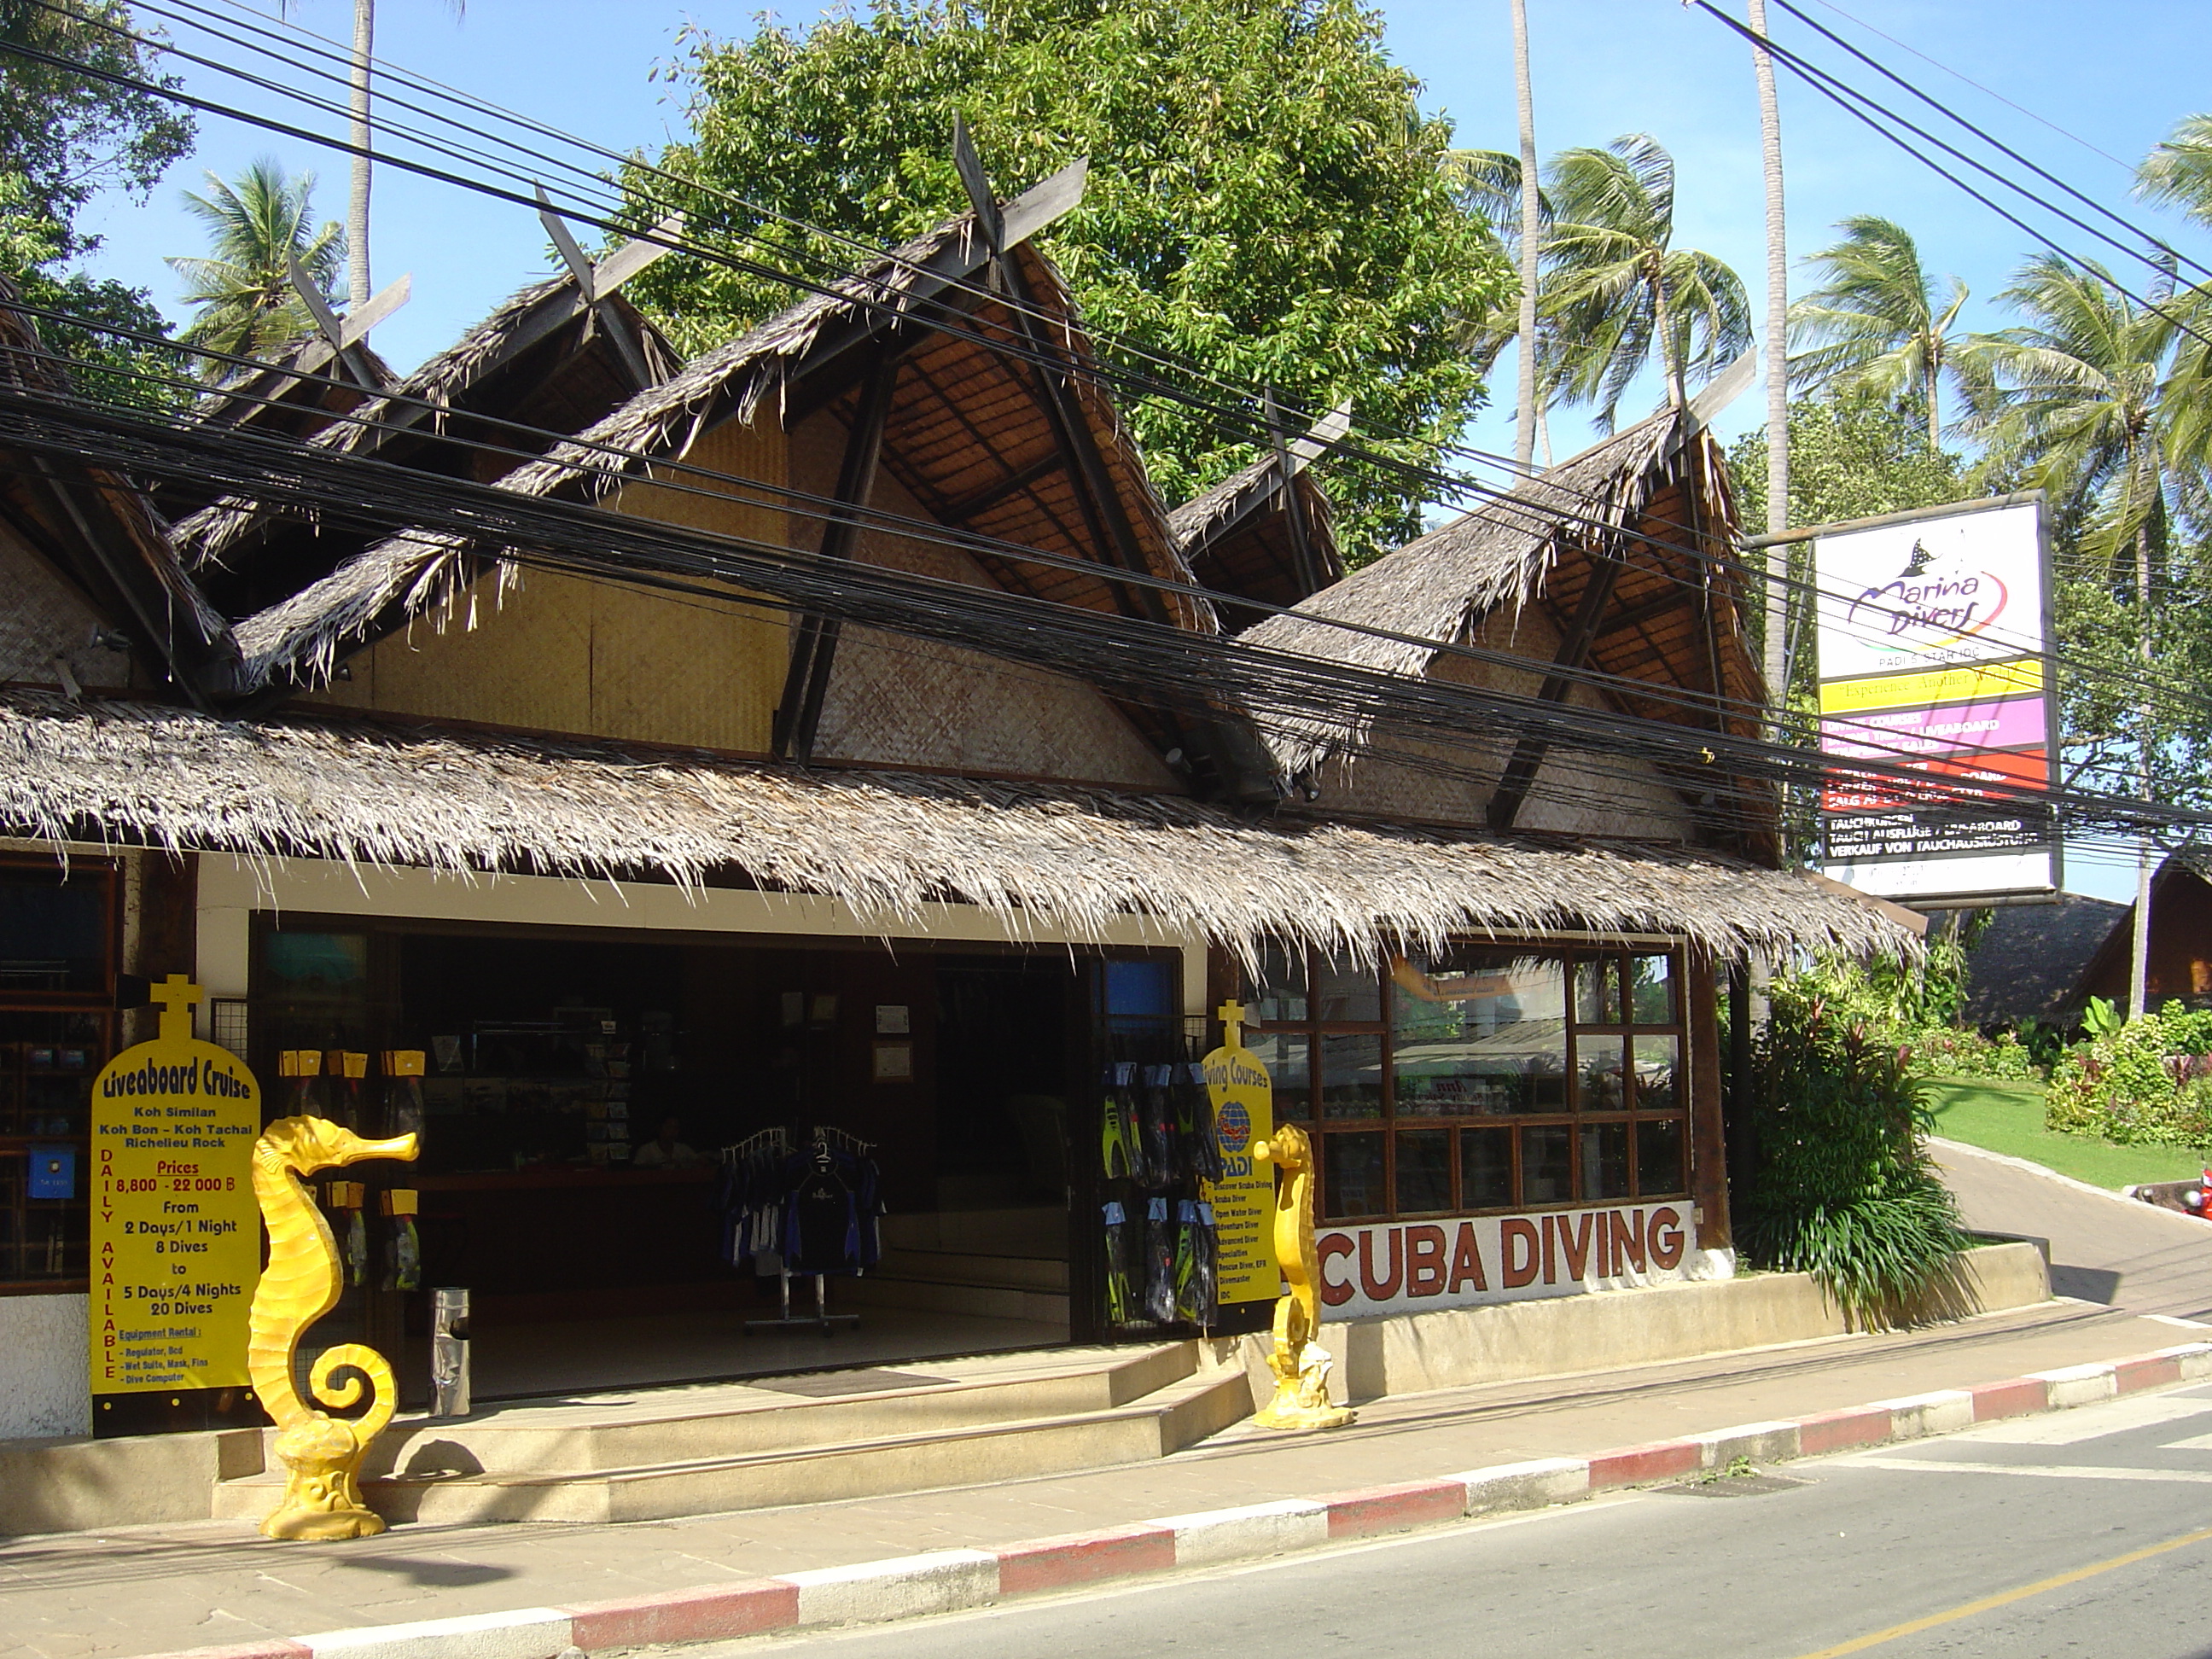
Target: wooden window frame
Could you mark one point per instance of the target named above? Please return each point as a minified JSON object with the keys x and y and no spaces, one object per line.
{"x":1389,"y":1123}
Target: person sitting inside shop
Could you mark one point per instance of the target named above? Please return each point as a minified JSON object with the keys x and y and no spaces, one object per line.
{"x":666,"y":1151}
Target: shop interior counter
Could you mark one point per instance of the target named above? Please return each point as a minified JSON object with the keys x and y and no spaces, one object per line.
{"x":543,"y":1178}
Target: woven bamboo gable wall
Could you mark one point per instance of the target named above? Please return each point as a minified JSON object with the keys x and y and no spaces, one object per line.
{"x":1451,"y":785}
{"x":45,"y":618}
{"x":905,"y":702}
{"x":564,"y":654}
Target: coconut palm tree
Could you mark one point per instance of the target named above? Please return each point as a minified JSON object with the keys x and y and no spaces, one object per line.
{"x":1875,"y":325}
{"x":257,"y":226}
{"x":1777,"y":607}
{"x":1532,"y":247}
{"x":1615,"y":289}
{"x":362,"y":137}
{"x":2080,"y":400}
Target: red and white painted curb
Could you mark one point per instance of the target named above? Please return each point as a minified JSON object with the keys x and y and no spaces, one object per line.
{"x":945,"y":1581}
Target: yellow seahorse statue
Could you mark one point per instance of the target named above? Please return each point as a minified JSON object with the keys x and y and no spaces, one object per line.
{"x":1300,"y":1364}
{"x":321,"y":1454}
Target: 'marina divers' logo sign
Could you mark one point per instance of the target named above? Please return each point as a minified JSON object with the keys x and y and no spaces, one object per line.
{"x":1919,"y":611}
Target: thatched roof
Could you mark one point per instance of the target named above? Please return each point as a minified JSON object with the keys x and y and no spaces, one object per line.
{"x":98,"y":529}
{"x":1045,"y":858}
{"x":965,"y":427}
{"x":1650,"y":492}
{"x":536,"y":360}
{"x":2030,"y":962}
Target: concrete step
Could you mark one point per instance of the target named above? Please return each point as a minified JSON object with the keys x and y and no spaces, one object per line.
{"x":1164,"y":1420}
{"x":684,"y":1425}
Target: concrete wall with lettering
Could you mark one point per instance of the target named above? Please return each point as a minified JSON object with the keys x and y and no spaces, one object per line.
{"x":1455,"y":1261}
{"x":44,"y":1387}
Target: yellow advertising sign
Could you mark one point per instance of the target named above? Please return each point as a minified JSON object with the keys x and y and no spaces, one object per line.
{"x":1243,"y":1200}
{"x":176,"y":1234}
{"x":1935,"y":685}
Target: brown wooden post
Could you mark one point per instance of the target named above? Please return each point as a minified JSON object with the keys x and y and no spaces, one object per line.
{"x":1709,"y":1188}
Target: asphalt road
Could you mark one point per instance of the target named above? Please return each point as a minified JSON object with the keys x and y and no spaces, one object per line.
{"x":2084,"y":1533}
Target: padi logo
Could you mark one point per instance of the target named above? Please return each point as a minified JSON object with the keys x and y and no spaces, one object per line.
{"x":1233,"y":1128}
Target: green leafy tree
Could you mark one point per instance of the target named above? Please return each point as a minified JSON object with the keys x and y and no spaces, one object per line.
{"x":1616,"y":290}
{"x":257,"y":226}
{"x":1851,"y":456}
{"x":1265,"y":203}
{"x":1876,"y":324}
{"x":66,"y":134}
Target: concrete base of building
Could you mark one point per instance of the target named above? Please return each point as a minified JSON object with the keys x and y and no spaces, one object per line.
{"x":656,"y":1455}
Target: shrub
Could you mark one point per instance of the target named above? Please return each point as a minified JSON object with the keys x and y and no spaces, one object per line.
{"x":2138,"y":1082}
{"x":1844,"y":1190}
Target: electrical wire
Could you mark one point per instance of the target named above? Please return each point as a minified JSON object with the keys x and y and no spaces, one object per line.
{"x":1110,"y":651}
{"x":1452,"y":483}
{"x":1642,"y":689}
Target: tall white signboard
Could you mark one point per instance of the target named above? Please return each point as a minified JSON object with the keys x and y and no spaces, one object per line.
{"x":1932,"y":638}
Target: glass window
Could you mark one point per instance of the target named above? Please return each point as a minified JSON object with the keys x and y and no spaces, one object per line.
{"x":1605,"y":1162}
{"x":1140,"y":989}
{"x":317,"y":990}
{"x":1424,"y":1172}
{"x":1352,"y":1181}
{"x":54,"y":930}
{"x":1656,"y":1059}
{"x":1351,"y":1077}
{"x":1286,"y":1056}
{"x":1346,"y":994}
{"x":1547,"y":1174}
{"x":1486,"y":1168}
{"x":1659,"y":1158}
{"x":1278,"y":998}
{"x":1597,"y":992}
{"x":1650,"y":991}
{"x":1600,"y":1083}
{"x":1477,"y":1031}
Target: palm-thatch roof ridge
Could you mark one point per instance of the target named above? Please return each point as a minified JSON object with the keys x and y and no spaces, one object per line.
{"x":1434,"y":587}
{"x":1045,"y":858}
{"x":303,"y":636}
{"x":207,"y":536}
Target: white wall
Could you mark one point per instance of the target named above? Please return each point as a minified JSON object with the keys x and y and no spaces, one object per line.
{"x":45,"y":1386}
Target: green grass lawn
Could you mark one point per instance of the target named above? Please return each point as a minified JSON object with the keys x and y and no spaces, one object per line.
{"x":2008,"y":1118}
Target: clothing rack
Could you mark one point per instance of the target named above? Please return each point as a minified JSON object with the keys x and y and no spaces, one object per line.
{"x":779,"y":1138}
{"x":820,"y":1139}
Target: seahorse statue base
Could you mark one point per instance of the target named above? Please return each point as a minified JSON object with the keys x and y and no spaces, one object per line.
{"x":1301,"y":1366}
{"x":322,"y":1455}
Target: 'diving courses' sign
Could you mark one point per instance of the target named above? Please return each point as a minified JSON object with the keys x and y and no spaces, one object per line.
{"x":1417,"y":1266}
{"x":1243,"y":1200}
{"x":1932,"y":631}
{"x":176,"y":1239}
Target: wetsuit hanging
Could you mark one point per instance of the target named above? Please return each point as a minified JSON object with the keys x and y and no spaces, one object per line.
{"x":1159,"y":1262}
{"x":1161,"y":1166}
{"x":1194,"y":1127}
{"x":1120,"y":1265}
{"x":1120,"y":1155}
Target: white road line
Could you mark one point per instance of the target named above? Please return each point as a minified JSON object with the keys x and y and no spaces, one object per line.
{"x":2049,"y":1471}
{"x":2072,"y":1428}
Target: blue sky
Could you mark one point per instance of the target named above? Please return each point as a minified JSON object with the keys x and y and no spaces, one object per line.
{"x":2116,"y":76}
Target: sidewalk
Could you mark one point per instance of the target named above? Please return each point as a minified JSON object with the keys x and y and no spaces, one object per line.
{"x":158,"y":1589}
